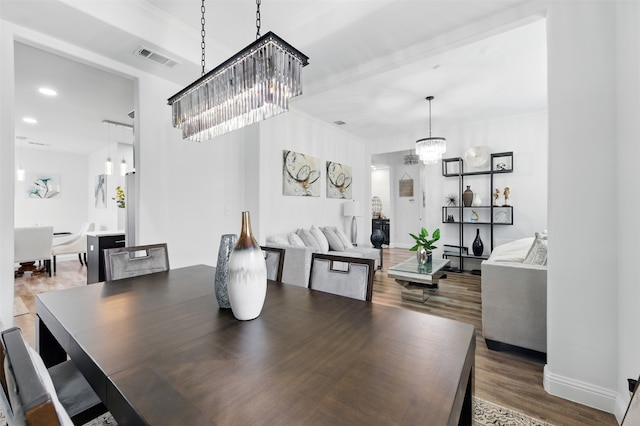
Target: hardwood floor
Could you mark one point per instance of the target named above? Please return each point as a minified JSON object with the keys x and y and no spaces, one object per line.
{"x":510,"y":379}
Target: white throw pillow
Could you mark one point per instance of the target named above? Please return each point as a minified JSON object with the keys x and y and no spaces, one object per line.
{"x":335,"y":243}
{"x":295,"y":240}
{"x":322,"y":240}
{"x":514,"y":251}
{"x":280,"y":239}
{"x":343,"y":237}
{"x":538,"y":252}
{"x":309,"y":240}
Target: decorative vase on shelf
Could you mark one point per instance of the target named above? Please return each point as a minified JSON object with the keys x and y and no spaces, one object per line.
{"x":467,"y":197}
{"x":478,"y":247}
{"x":247,"y":275}
{"x":227,"y":243}
{"x":477,"y":201}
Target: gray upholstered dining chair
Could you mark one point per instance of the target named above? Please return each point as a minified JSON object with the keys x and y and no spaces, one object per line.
{"x":32,"y":394}
{"x":125,"y":262}
{"x":341,"y":275}
{"x":274,"y":257}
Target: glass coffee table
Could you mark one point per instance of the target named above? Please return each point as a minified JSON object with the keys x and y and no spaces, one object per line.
{"x":417,"y":281}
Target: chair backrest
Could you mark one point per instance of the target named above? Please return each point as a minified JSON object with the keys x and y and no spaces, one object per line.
{"x":28,"y":395}
{"x":344,"y":276}
{"x":32,"y":243}
{"x":77,"y":243}
{"x":125,"y":262}
{"x":87,"y":227}
{"x":274,"y":257}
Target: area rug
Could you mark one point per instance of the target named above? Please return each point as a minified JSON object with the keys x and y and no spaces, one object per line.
{"x":488,"y":413}
{"x":485,"y":413}
{"x":19,"y":308}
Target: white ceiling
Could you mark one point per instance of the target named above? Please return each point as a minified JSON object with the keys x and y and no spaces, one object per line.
{"x":372,"y":63}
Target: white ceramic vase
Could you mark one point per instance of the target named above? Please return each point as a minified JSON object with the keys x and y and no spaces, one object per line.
{"x":477,"y":201}
{"x":247,"y":275}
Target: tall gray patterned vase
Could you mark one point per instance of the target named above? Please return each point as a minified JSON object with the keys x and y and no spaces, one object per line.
{"x":227,"y":243}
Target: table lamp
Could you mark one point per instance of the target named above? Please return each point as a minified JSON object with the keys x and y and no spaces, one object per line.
{"x":352,"y":208}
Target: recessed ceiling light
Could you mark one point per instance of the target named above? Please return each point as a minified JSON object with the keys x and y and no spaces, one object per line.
{"x":47,"y":91}
{"x":340,"y":122}
{"x":30,"y":120}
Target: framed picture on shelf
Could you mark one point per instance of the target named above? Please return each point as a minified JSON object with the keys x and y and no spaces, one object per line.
{"x":501,"y":215}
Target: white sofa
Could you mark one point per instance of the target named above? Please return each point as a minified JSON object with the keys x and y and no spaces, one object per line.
{"x":299,"y":246}
{"x":514,"y":295}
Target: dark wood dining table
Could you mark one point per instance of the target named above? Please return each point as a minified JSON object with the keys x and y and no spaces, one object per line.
{"x":158,"y":350}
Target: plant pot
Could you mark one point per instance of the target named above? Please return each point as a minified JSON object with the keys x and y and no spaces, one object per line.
{"x":423,"y":256}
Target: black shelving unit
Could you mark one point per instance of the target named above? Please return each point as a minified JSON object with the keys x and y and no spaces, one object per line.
{"x":459,"y":215}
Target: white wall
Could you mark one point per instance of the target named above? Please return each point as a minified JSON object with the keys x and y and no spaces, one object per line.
{"x":301,"y":133}
{"x":381,"y":187}
{"x":7,"y":173}
{"x":583,"y":279}
{"x":628,"y":92}
{"x":67,"y":211}
{"x":110,"y":218}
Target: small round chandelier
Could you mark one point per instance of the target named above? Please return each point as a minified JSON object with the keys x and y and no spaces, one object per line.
{"x":430,"y":149}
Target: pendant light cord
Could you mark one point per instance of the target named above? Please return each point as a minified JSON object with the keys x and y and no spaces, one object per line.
{"x":202,"y":33}
{"x":258,"y":19}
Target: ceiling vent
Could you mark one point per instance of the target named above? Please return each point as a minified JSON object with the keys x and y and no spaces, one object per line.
{"x":340,"y":123}
{"x":143,"y":52}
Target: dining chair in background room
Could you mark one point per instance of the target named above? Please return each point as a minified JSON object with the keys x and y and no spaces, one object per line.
{"x":34,"y":395}
{"x":274,"y":257}
{"x":125,"y":262}
{"x":76,"y":244}
{"x":345,"y":276}
{"x":33,"y":243}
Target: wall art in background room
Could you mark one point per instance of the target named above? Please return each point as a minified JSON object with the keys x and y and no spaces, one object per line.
{"x":300,"y":174}
{"x":101,"y":191}
{"x":42,"y":185}
{"x":339,"y":180}
{"x":405,"y":186}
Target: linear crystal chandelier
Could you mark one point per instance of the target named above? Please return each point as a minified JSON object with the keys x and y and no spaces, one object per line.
{"x":253,"y":85}
{"x":431,"y":149}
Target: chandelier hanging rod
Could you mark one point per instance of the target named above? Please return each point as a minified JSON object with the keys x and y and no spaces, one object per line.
{"x":268,"y":37}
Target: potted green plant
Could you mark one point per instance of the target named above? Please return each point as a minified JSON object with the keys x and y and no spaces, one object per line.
{"x":424,"y":245}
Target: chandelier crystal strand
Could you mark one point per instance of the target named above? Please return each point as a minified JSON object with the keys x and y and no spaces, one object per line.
{"x":253,"y":85}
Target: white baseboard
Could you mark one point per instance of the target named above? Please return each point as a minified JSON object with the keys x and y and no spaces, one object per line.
{"x":621,"y":406}
{"x":581,"y":392}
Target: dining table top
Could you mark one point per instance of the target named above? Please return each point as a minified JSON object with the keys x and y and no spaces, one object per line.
{"x":158,"y":350}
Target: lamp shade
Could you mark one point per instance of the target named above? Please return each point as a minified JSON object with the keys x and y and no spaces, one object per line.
{"x":351,"y":208}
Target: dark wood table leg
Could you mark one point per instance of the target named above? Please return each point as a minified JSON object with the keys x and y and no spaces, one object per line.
{"x":48,"y":347}
{"x":466,"y":414}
